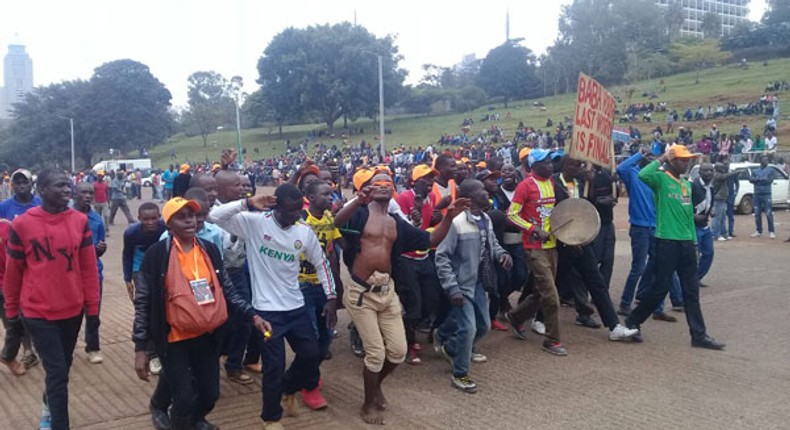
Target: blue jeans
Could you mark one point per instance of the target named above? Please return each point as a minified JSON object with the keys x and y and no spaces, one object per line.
{"x":719,"y":214}
{"x":641,"y":239}
{"x":314,"y":301}
{"x":464,"y":326}
{"x":731,"y":216}
{"x":294,"y":326}
{"x":762,"y":203}
{"x":239,"y":327}
{"x":705,"y":251}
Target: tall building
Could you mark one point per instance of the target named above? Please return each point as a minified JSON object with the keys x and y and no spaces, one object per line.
{"x":731,"y":13}
{"x":17,"y":78}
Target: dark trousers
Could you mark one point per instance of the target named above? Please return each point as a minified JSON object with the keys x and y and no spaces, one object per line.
{"x":55,"y":342}
{"x":120,"y":204}
{"x":314,"y":301}
{"x":92,"y":327}
{"x":192,"y":372}
{"x":13,"y":339}
{"x":508,"y":281}
{"x":239,"y":326}
{"x":604,"y":251}
{"x":731,"y":215}
{"x":588,"y":277}
{"x":418,"y":288}
{"x":294,"y":326}
{"x":671,"y":256}
{"x":162,"y":398}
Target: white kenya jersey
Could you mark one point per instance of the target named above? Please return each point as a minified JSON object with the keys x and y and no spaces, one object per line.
{"x":273,"y":255}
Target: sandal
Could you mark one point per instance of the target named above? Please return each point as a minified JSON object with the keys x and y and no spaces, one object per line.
{"x":16,"y":368}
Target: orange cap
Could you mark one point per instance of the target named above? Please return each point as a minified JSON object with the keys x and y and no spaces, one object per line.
{"x":176,"y":204}
{"x":422,"y":170}
{"x":362,"y":176}
{"x":680,"y":151}
{"x":184,"y":168}
{"x":524,"y":153}
{"x":481,"y":165}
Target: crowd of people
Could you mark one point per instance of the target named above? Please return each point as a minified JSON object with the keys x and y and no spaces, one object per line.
{"x":434,"y":241}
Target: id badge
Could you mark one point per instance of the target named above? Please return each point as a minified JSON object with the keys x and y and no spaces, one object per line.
{"x":686,"y":200}
{"x":202,"y":291}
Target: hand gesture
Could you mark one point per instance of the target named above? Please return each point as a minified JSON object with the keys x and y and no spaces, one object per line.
{"x":458,"y":206}
{"x":444,"y":202}
{"x":141,"y":365}
{"x":130,"y":289}
{"x":365,"y":194}
{"x":506,"y":261}
{"x":229,"y":156}
{"x":262,"y":202}
{"x":262,"y":326}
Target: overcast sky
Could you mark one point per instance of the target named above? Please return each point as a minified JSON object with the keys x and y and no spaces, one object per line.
{"x":68,"y":39}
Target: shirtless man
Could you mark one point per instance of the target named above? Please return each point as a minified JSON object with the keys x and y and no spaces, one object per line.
{"x":374,"y":240}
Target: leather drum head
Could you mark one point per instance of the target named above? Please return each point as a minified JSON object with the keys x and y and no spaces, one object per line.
{"x":575,"y":222}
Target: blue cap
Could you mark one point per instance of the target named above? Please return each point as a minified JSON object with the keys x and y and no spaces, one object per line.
{"x":537,"y":155}
{"x":557,"y":154}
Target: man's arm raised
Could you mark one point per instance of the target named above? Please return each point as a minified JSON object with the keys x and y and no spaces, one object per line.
{"x":455,"y":208}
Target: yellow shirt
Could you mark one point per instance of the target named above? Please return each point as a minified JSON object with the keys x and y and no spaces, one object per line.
{"x":327,"y":233}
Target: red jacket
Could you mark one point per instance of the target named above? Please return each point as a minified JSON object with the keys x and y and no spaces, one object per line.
{"x":51,"y":269}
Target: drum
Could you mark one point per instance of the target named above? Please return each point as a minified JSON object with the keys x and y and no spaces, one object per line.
{"x":575,"y":222}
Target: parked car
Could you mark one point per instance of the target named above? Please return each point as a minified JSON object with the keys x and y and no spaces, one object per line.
{"x":743,"y":201}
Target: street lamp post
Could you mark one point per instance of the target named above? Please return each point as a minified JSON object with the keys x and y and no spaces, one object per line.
{"x":236,"y":83}
{"x":71,"y":128}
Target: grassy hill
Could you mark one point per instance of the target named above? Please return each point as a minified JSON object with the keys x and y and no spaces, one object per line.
{"x":717,"y":85}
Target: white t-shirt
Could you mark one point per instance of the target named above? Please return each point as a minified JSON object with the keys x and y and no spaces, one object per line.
{"x":770,"y":143}
{"x":273,"y":255}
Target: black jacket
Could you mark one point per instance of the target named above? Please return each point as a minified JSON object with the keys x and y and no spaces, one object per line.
{"x":697,"y":197}
{"x":150,"y":321}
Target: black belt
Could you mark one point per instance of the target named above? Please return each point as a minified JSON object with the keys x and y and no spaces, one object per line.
{"x":368,"y":288}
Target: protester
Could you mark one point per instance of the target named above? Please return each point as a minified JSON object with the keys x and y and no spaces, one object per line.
{"x":182,"y":298}
{"x":101,"y":201}
{"x":182,"y":180}
{"x":702,"y":199}
{"x":763,"y":177}
{"x":118,"y":197}
{"x":49,"y":288}
{"x":465,"y":262}
{"x":168,"y":176}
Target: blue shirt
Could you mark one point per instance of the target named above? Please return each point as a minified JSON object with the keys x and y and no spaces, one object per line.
{"x":135,"y":243}
{"x":97,"y":230}
{"x":11,"y":208}
{"x":168,"y":177}
{"x":762,"y":178}
{"x":641,"y":207}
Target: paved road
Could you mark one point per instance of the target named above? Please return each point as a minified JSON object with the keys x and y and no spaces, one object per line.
{"x":662,"y":383}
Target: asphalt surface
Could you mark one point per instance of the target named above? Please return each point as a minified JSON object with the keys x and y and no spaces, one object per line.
{"x":662,"y":383}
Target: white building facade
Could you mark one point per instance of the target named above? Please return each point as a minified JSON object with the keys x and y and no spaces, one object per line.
{"x":17,"y":78}
{"x":731,"y":13}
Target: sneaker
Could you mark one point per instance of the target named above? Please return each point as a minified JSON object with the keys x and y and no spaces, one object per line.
{"x":755,"y":234}
{"x":624,"y":311}
{"x":479,"y":358}
{"x":155,"y":366}
{"x":437,"y":343}
{"x":239,"y":377}
{"x":464,"y":383}
{"x":29,"y":359}
{"x":772,"y":235}
{"x":662,"y":316}
{"x":538,"y":327}
{"x":496,"y":325}
{"x":46,"y":418}
{"x":95,"y":357}
{"x":313,"y":399}
{"x":519,"y":331}
{"x":412,"y":357}
{"x":587,"y":321}
{"x":722,"y":239}
{"x":620,"y":332}
{"x":708,"y":343}
{"x":555,"y":347}
{"x":731,"y":237}
{"x":445,"y":354}
{"x":272,"y":425}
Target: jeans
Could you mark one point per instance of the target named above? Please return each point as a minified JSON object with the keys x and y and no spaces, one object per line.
{"x":719,"y":214}
{"x":463,"y":328}
{"x":192,"y":372}
{"x":583,"y":262}
{"x":55,"y":342}
{"x":673,"y":256}
{"x":12,"y":339}
{"x":705,"y":250}
{"x":92,"y":327}
{"x":314,"y":301}
{"x":762,"y":203}
{"x":508,"y":281}
{"x":239,"y":326}
{"x":604,"y":251}
{"x":731,"y":216}
{"x":294,"y":326}
{"x":418,"y":288}
{"x":641,"y":240}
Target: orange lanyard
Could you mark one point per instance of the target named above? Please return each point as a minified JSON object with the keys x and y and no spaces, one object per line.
{"x":194,"y":268}
{"x":682,"y":185}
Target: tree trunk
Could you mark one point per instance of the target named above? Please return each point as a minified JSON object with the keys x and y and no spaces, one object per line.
{"x":205,"y":139}
{"x":506,"y":100}
{"x":699,"y":67}
{"x":345,"y":121}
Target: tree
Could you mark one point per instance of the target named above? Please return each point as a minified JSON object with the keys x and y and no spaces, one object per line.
{"x":699,"y":54}
{"x":509,"y":71}
{"x":674,"y":16}
{"x":777,"y":13}
{"x":126,"y":108}
{"x":711,"y":25}
{"x":328,"y":72}
{"x":210,"y":103}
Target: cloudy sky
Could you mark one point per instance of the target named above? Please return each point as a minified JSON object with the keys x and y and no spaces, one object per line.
{"x":68,"y":39}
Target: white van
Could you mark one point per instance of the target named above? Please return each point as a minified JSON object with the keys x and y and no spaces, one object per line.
{"x":144,"y":164}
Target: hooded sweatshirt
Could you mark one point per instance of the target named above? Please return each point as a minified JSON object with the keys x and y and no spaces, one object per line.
{"x":51,"y":272}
